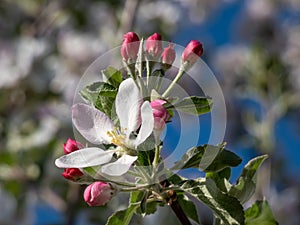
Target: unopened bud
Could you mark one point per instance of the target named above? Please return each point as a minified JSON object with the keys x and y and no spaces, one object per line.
{"x":72,"y":174}
{"x":154,"y":45}
{"x":98,"y":193}
{"x":160,"y":114}
{"x":71,"y":146}
{"x":192,"y":52}
{"x":130,"y":46}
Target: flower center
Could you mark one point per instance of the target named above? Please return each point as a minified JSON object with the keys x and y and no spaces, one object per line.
{"x":117,"y":137}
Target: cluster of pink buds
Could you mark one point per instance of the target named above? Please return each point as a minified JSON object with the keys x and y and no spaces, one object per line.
{"x":97,"y":193}
{"x":154,"y":49}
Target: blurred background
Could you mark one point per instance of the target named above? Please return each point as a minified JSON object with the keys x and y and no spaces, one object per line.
{"x":252,"y":46}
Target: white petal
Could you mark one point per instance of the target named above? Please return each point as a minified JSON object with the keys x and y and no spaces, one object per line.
{"x":119,"y":167}
{"x":128,"y":103}
{"x":91,"y":123}
{"x":147,"y":124}
{"x":85,"y":157}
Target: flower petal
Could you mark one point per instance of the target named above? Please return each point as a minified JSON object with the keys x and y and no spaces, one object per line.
{"x":128,"y":103}
{"x":147,"y":124}
{"x":85,"y":157}
{"x":119,"y":167}
{"x":91,"y":123}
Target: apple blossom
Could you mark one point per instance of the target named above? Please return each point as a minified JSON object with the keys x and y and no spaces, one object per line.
{"x":97,"y":128}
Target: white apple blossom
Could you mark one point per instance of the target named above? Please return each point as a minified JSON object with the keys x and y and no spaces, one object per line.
{"x":98,"y":128}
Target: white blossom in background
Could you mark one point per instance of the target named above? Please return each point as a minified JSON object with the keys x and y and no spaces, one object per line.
{"x":17,"y":57}
{"x":291,"y":56}
{"x":260,"y":9}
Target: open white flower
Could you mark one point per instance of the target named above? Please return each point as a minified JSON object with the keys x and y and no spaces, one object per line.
{"x":97,"y":128}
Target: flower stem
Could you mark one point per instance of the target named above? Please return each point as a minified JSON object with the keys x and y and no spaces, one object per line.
{"x":148,"y":71}
{"x":156,"y":156}
{"x":136,"y":188}
{"x":171,"y":86}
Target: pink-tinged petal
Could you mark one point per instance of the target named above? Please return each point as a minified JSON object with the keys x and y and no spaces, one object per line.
{"x":119,"y":167}
{"x":84,"y":158}
{"x":92,"y":124}
{"x":147,"y":123}
{"x":128,"y":103}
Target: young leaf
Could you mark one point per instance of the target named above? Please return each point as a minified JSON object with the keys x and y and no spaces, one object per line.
{"x":246,"y":184}
{"x":194,"y":105}
{"x":106,"y":99}
{"x":188,"y":207}
{"x":91,"y":92}
{"x":122,"y":217}
{"x":114,"y":76}
{"x":260,"y":214}
{"x":224,"y":206}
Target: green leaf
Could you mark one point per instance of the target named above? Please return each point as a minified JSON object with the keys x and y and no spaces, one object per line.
{"x":91,"y":92}
{"x":190,"y":159}
{"x":221,"y":178}
{"x":102,"y":96}
{"x":188,"y":207}
{"x":194,"y":105}
{"x":207,"y":158}
{"x":224,"y":206}
{"x":224,"y":159}
{"x":252,"y":166}
{"x":106,"y":99}
{"x":246,"y":183}
{"x":122,"y":217}
{"x":260,"y":213}
{"x":114,"y":76}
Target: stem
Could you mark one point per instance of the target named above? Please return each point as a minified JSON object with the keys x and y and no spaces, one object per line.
{"x":179,"y":212}
{"x":175,"y":206}
{"x":136,"y":188}
{"x":178,"y":76}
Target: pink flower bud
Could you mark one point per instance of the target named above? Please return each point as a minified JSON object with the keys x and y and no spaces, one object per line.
{"x":71,"y":146}
{"x":160,"y":114}
{"x":168,"y":56}
{"x":130,"y":46}
{"x":154,"y":45}
{"x":72,"y":174}
{"x":98,"y":193}
{"x":192,"y":52}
